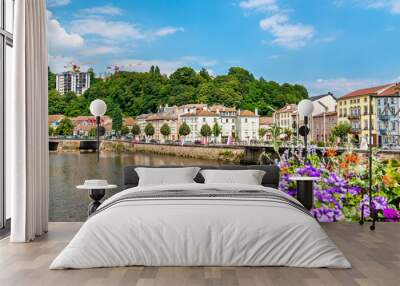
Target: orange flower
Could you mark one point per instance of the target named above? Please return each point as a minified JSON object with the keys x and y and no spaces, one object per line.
{"x":387,"y":180}
{"x":330,"y":153}
{"x":351,"y":158}
{"x":343,"y":165}
{"x":285,"y":170}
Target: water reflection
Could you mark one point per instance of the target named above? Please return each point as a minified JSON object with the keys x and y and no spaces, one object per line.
{"x":68,"y":170}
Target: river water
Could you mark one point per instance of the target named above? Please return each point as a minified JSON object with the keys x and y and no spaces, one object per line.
{"x":67,"y":170}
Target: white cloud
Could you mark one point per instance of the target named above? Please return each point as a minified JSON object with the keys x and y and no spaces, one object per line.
{"x":57,"y":3}
{"x":114,"y":30}
{"x":260,"y":5}
{"x":168,"y":31}
{"x":292,"y":36}
{"x":339,"y":86}
{"x":59,"y":39}
{"x":277,"y":23}
{"x":96,"y":49}
{"x":117,"y":30}
{"x":392,"y":5}
{"x":103,"y":10}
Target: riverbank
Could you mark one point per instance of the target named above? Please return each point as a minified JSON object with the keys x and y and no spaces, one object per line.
{"x":215,"y":153}
{"x":231,"y":154}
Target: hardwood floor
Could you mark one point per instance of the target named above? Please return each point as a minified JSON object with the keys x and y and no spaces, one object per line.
{"x":375,"y":257}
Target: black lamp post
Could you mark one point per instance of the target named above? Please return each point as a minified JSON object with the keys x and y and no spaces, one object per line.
{"x":305,"y":108}
{"x":98,"y":108}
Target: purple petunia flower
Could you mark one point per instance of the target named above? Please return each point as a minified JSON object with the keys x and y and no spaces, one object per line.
{"x":391,"y":215}
{"x":378,"y":203}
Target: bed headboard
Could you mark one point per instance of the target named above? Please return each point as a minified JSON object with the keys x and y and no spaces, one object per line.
{"x":270,"y":179}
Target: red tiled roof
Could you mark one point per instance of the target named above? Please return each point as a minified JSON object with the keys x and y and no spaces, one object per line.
{"x":220,"y":107}
{"x":367,"y":91}
{"x":393,"y":90}
{"x":266,"y":120}
{"x":288,"y":108}
{"x":129,"y":121}
{"x":199,"y":112}
{"x":247,"y":113}
{"x":54,"y":117}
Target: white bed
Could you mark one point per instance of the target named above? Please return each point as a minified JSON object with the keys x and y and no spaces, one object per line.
{"x":200,"y":231}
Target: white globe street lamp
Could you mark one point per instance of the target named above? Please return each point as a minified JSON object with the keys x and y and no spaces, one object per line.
{"x":98,"y":108}
{"x":305,"y":109}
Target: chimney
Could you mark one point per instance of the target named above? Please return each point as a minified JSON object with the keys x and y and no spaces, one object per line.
{"x":238,"y":112}
{"x":256,"y":111}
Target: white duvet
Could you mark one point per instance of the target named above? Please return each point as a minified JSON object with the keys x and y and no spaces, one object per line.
{"x":200,"y":231}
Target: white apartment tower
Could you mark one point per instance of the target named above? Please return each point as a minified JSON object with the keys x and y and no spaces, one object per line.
{"x":77,"y":82}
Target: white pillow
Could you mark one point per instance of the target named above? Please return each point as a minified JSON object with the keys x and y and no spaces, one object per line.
{"x":248,"y":177}
{"x":166,"y":176}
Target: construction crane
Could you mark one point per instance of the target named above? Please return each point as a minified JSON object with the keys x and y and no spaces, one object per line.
{"x":74,"y":67}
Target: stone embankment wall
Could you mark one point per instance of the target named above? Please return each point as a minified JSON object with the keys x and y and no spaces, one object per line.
{"x":68,"y":146}
{"x":189,"y":151}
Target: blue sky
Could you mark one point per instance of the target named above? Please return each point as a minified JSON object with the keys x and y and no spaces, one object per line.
{"x":327,"y":45}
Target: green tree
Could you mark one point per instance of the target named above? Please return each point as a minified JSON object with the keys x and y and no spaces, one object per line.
{"x":184,"y":129}
{"x":65,"y":128}
{"x":216,"y":130}
{"x":165,"y":130}
{"x":205,"y":130}
{"x":341,"y":130}
{"x":56,"y":102}
{"x":276,"y":132}
{"x":124,"y":130}
{"x":52,"y":130}
{"x":92,"y":132}
{"x":262,"y":132}
{"x":117,"y":120}
{"x":135,"y":130}
{"x":70,"y":96}
{"x":77,"y":106}
{"x":204,"y":75}
{"x":185,"y":76}
{"x":149,"y":130}
{"x":51,"y":77}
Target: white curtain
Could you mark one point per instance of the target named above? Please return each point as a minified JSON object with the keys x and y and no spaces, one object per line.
{"x":27,"y":159}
